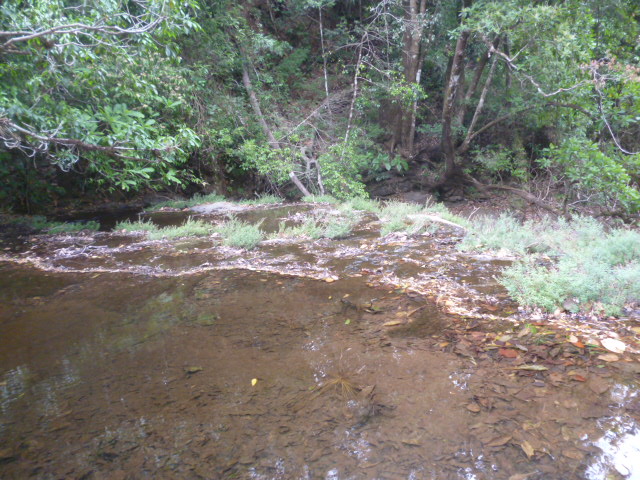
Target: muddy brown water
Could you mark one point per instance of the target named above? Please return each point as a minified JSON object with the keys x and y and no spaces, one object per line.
{"x":122,"y":358}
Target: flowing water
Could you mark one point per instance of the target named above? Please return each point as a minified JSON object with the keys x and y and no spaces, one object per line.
{"x":122,"y":358}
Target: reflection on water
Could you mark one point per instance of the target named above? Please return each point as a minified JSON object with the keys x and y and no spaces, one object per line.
{"x":620,"y":444}
{"x":620,"y":451}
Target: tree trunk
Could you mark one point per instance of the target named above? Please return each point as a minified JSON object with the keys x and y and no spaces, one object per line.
{"x":255,"y":105}
{"x":412,"y":57}
{"x":448,"y":109}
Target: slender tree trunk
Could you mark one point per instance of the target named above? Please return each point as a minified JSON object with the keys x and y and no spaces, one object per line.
{"x":324,"y":56}
{"x":473,"y":86}
{"x":353,"y":100}
{"x":255,"y":105}
{"x":476,"y":115}
{"x":448,"y":109}
{"x":412,"y":57}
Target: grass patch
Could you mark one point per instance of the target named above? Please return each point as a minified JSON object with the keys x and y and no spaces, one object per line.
{"x":137,"y":226}
{"x":71,"y":227}
{"x":320,"y":199}
{"x":576,"y":263}
{"x":364,"y":204}
{"x":191,"y":228}
{"x":236,"y":233}
{"x":188,"y":203}
{"x":395,"y":216}
{"x":320,"y":225}
{"x":263,"y":200}
{"x":40,"y":223}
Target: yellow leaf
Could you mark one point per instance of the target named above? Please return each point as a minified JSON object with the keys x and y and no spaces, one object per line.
{"x":527,"y":449}
{"x":392,"y":323}
{"x":254,"y":381}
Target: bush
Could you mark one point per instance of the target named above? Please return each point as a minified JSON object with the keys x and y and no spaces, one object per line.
{"x":597,"y":269}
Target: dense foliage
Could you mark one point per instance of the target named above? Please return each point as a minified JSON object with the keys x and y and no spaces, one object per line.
{"x":320,"y":97}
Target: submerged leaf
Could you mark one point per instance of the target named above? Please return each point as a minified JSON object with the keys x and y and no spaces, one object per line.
{"x":613,"y":345}
{"x":535,"y":368}
{"x":527,"y":449}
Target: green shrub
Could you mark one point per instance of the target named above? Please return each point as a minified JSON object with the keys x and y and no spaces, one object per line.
{"x":503,"y":232}
{"x":595,"y":268}
{"x":236,"y":233}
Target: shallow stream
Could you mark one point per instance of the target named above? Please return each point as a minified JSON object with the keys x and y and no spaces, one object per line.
{"x":335,"y":359}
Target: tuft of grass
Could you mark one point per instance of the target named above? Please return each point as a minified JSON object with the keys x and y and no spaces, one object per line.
{"x":322,"y":225}
{"x":195,"y":200}
{"x":236,"y":233}
{"x":395,"y":216}
{"x":191,"y":228}
{"x":71,"y":227}
{"x":320,"y":199}
{"x":40,"y":223}
{"x":263,"y":200}
{"x":137,"y":226}
{"x":364,"y":204}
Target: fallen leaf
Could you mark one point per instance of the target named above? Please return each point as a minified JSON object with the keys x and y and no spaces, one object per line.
{"x":192,"y":370}
{"x":598,"y":385}
{"x":500,"y":441}
{"x":347,"y":321}
{"x":613,"y":345}
{"x":392,"y":323}
{"x":330,"y":279}
{"x":473,"y":407}
{"x":521,"y":476}
{"x":534,"y":368}
{"x":412,"y":442}
{"x":508,"y":352}
{"x":573,"y":454}
{"x":254,"y":381}
{"x":527,"y":449}
{"x":609,"y":357}
{"x":579,"y":378}
{"x":635,"y":330}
